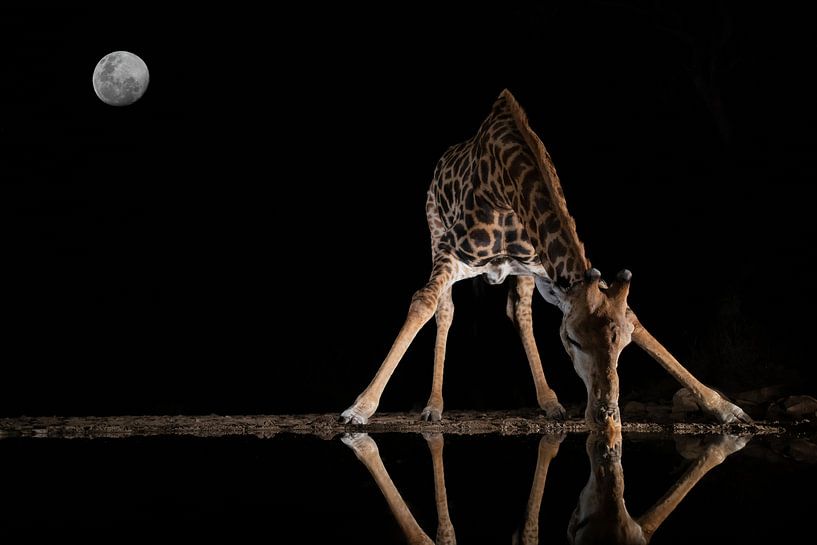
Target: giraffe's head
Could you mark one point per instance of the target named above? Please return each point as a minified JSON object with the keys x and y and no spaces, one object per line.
{"x":595,"y":329}
{"x":601,"y":514}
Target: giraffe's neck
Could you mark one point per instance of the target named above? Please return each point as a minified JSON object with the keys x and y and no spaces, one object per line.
{"x":533,"y":190}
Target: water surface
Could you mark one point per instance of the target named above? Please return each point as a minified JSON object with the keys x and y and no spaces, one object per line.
{"x":300,"y":489}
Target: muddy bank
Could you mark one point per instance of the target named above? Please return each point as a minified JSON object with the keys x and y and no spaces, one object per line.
{"x":326,"y":425}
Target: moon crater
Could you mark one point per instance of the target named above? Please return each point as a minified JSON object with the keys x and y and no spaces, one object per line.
{"x":120,"y":78}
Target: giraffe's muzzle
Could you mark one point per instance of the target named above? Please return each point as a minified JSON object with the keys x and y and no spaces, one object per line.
{"x":607,"y":417}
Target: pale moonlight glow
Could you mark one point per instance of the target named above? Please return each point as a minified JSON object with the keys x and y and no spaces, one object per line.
{"x":120,"y":78}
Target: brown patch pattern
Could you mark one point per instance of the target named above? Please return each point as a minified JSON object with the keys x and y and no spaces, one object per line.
{"x":497,"y":195}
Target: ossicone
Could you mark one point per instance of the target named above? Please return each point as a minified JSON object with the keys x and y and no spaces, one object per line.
{"x":621,"y":287}
{"x":592,"y":275}
{"x":624,"y":275}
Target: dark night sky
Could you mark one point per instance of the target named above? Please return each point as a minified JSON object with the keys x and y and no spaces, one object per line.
{"x":276,"y":170}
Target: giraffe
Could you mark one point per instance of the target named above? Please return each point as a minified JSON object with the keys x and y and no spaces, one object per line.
{"x":496,"y":208}
{"x":365,"y":448}
{"x":600,"y":515}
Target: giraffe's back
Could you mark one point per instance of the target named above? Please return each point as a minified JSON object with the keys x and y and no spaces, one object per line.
{"x":497,"y":197}
{"x":472,"y":214}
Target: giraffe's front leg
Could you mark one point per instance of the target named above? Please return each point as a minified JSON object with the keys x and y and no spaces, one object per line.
{"x":548,"y":448}
{"x":423,"y":305}
{"x":445,"y":315}
{"x":714,"y":453}
{"x":360,"y":411}
{"x":367,"y":452}
{"x":709,"y":400}
{"x":445,"y":529}
{"x":518,"y":310}
{"x":723,"y":410}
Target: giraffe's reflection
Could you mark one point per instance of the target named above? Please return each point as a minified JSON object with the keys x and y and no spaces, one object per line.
{"x":600,"y":515}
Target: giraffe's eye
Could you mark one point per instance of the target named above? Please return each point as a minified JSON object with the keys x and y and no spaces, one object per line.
{"x":575,"y":343}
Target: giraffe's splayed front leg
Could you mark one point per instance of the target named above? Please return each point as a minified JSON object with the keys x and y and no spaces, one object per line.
{"x":433,"y":411}
{"x":363,"y":446}
{"x":359,"y":412}
{"x":367,"y":452}
{"x":518,"y":310}
{"x":422,"y":308}
{"x":724,"y":411}
{"x":553,"y":409}
{"x":709,"y":400}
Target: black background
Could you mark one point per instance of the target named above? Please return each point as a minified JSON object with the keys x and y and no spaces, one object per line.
{"x":247,"y":236}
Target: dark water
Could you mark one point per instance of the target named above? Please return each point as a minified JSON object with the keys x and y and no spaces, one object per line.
{"x":308,"y":490}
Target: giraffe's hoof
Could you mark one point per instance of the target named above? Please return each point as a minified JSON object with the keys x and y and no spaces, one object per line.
{"x":553,"y":409}
{"x":730,"y":444}
{"x":550,"y":440}
{"x":431,"y":414}
{"x":432,"y":436}
{"x":360,"y":443}
{"x":736,"y":414}
{"x":727,"y":412}
{"x":352,"y":416}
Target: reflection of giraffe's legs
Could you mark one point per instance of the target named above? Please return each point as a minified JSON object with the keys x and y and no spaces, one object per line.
{"x":445,"y":530}
{"x":715,"y":453}
{"x":423,"y":305}
{"x":548,"y":448}
{"x":518,"y":310}
{"x":709,"y":400}
{"x":366,"y":451}
{"x":445,"y":315}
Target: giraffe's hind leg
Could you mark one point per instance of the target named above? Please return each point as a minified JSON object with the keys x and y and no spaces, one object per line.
{"x":423,"y":306}
{"x":518,"y":310}
{"x":444,"y":315}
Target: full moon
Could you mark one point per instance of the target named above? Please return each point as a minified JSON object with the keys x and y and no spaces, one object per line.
{"x":120,"y":78}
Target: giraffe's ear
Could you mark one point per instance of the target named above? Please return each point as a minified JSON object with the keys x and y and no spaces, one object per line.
{"x":551,"y":292}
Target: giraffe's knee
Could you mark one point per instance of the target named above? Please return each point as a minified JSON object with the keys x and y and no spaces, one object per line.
{"x":517,"y":311}
{"x":445,"y":312}
{"x":523,"y":318}
{"x":423,"y":305}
